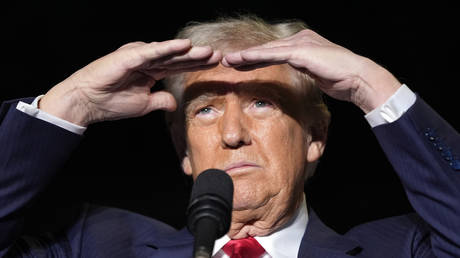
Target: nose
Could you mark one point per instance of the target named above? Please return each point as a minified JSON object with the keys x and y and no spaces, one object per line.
{"x":234,"y":127}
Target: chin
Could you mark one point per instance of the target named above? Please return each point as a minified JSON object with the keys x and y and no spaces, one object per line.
{"x":246,"y":198}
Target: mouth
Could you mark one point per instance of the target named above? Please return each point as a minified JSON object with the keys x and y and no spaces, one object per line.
{"x":242,"y":165}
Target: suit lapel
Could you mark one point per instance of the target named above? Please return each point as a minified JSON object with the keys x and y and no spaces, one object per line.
{"x":321,"y":241}
{"x":174,"y":244}
{"x":178,"y":238}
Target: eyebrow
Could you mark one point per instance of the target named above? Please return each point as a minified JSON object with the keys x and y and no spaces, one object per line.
{"x":201,"y":92}
{"x":198,"y":101}
{"x":204,"y":90}
{"x":285,"y":96}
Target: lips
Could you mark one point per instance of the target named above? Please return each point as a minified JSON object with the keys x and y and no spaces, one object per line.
{"x":240,"y":165}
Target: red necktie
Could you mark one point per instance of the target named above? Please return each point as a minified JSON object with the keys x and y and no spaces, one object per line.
{"x":243,"y":248}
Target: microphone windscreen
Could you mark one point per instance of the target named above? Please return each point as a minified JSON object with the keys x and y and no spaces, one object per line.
{"x":214,"y":182}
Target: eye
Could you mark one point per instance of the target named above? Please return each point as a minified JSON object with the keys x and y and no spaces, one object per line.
{"x":204,"y":111}
{"x":262,"y":103}
{"x":261,"y":108}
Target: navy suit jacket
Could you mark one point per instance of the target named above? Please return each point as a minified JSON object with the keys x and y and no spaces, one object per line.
{"x":423,"y":149}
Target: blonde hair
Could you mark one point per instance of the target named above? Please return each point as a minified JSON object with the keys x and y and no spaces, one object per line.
{"x":237,"y":33}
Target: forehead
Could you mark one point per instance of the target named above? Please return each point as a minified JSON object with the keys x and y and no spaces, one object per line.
{"x":275,"y":82}
{"x":279,"y":74}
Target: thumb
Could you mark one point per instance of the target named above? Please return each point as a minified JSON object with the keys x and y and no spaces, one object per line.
{"x":162,"y":100}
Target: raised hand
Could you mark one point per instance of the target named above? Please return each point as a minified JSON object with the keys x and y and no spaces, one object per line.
{"x":339,"y":72}
{"x":119,"y":84}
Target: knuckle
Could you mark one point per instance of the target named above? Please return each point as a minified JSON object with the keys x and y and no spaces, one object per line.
{"x":153,"y":43}
{"x":132,"y":45}
{"x":306,"y":32}
{"x":129,"y":58}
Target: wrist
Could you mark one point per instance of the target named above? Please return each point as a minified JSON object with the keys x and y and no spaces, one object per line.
{"x":65,"y":103}
{"x":375,"y":86}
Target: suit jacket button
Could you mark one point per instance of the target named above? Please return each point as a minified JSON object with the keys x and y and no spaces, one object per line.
{"x":455,"y":164}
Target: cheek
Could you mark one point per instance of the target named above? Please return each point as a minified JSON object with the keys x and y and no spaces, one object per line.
{"x":201,"y":146}
{"x":284,"y":144}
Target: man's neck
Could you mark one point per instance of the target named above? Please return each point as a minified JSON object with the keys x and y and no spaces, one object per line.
{"x":263,"y":220}
{"x":285,"y":240}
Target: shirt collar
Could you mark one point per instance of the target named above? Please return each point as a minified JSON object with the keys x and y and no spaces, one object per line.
{"x":285,"y":242}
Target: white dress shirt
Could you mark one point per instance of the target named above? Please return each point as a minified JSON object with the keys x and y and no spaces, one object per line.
{"x":286,"y":241}
{"x":33,"y":110}
{"x":283,"y":243}
{"x":393,"y":108}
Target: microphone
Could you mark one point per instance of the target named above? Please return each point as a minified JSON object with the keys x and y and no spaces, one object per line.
{"x":210,"y":209}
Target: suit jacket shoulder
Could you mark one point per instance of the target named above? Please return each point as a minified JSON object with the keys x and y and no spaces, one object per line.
{"x":400,"y":236}
{"x":100,"y":231}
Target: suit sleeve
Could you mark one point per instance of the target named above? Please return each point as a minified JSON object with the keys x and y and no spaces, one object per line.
{"x":424,"y":150}
{"x":32,"y":151}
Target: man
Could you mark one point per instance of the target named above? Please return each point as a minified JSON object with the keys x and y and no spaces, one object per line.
{"x":247,"y":100}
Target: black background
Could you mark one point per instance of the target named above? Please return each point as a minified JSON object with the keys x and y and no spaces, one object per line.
{"x":131,"y":164}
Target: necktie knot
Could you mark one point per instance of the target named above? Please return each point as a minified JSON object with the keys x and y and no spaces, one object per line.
{"x":243,"y":248}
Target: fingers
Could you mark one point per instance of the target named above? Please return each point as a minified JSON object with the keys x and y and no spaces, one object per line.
{"x":240,"y":58}
{"x":135,"y":55}
{"x":156,"y":58}
{"x":201,"y":59}
{"x":132,"y":45}
{"x":250,"y":67}
{"x":284,"y":50}
{"x":268,"y":56}
{"x":176,"y":53}
{"x":197,"y":56}
{"x":194,"y":53}
{"x":167,"y":52}
{"x":156,"y":50}
{"x":162,"y":100}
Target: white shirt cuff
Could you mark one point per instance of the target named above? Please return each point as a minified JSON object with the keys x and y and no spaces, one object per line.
{"x":393,"y":108}
{"x":32,"y":110}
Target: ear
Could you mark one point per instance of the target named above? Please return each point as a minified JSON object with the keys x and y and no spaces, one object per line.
{"x":186,"y":166}
{"x":315,"y":151}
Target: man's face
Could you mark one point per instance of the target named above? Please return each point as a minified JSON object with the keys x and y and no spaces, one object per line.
{"x":248,"y":124}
